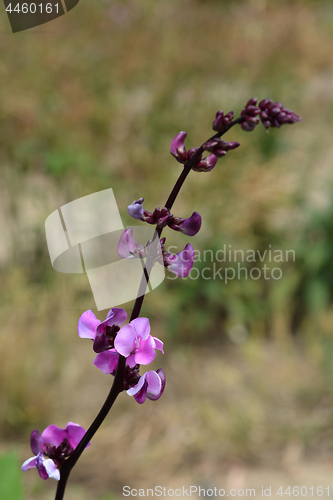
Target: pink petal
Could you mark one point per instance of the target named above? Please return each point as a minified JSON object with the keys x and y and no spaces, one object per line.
{"x":29,"y":464}
{"x":127,"y":245}
{"x":130,"y":360}
{"x":134,"y":390}
{"x":107,"y":361}
{"x":146,"y":352}
{"x":87,"y":325}
{"x":154,"y":396}
{"x":158,"y":344}
{"x":54,"y":435}
{"x":154,"y":383}
{"x":74,"y":434}
{"x":181,"y":263}
{"x":125,"y":340}
{"x":141,"y":327}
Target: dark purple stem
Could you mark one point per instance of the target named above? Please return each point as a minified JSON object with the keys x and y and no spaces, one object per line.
{"x":117,"y":386}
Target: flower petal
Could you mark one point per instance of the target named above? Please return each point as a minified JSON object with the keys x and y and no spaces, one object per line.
{"x":135,"y":209}
{"x":134,"y":390}
{"x":125,"y":340}
{"x":158,"y":344}
{"x":29,"y":464}
{"x":51,"y":469}
{"x":127,"y":245}
{"x":87,"y":325}
{"x":141,"y":327}
{"x":54,"y":435}
{"x":154,"y":383}
{"x":146,"y":352}
{"x":107,"y":361}
{"x":36,"y":442}
{"x":181,"y":263}
{"x":192,"y":225}
{"x":154,"y":396}
{"x":74,"y":434}
{"x":177,"y":147}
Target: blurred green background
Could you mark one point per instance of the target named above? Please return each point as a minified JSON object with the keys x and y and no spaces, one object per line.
{"x":91,"y":101}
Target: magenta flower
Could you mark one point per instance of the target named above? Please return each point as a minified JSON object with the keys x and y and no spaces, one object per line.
{"x":181,"y":263}
{"x":151,"y":385}
{"x":135,"y":342}
{"x":52,"y":448}
{"x":102,"y":333}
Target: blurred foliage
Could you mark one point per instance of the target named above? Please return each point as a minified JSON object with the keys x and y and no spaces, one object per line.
{"x":92,"y":101}
{"x":10,"y":477}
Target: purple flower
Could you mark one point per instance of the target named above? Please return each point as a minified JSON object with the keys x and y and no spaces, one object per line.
{"x":151,"y":385}
{"x":273,"y":114}
{"x":52,"y":448}
{"x":135,"y":209}
{"x":190,"y":226}
{"x":177,"y":147}
{"x":222,"y":121}
{"x":102,"y":333}
{"x":206,"y":164}
{"x":135,"y":342}
{"x":128,"y":248}
{"x":181,"y":263}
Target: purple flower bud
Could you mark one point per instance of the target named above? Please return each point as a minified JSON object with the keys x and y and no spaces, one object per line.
{"x":206,"y":164}
{"x":250,"y":112}
{"x":222,"y":121}
{"x":220,"y":147}
{"x":177,"y":147}
{"x":273,"y":114}
{"x":135,"y":209}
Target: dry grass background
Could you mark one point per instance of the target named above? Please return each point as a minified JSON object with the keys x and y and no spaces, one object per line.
{"x":92,"y":101}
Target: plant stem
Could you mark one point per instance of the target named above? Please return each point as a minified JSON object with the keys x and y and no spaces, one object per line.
{"x":117,"y":386}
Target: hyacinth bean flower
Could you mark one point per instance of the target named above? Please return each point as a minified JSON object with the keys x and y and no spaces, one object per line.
{"x":151,"y":385}
{"x":163,"y":217}
{"x":102,"y":333}
{"x":52,"y":447}
{"x":177,"y":147}
{"x":135,"y":343}
{"x":180,"y":263}
{"x":222,"y":121}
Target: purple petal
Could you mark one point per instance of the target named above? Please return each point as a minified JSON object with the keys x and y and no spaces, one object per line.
{"x":116,"y":316}
{"x":192,"y":225}
{"x":125,"y":340}
{"x":87,"y":325}
{"x":158,"y":344}
{"x":40,"y":466}
{"x":141,"y":327}
{"x":135,"y":209}
{"x":146,"y":352}
{"x":54,"y":435}
{"x":127,"y":245}
{"x":29,"y":464}
{"x":107,"y":361}
{"x":36,"y":442}
{"x":141,"y":396}
{"x":154,"y":384}
{"x":181,"y":263}
{"x":51,"y":469}
{"x":74,"y":434}
{"x":177,"y":147}
{"x":134,"y":390}
{"x":162,"y":377}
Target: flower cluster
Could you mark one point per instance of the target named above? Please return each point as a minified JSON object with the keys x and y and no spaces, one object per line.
{"x":52,"y":448}
{"x":134,"y":342}
{"x":271,"y":114}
